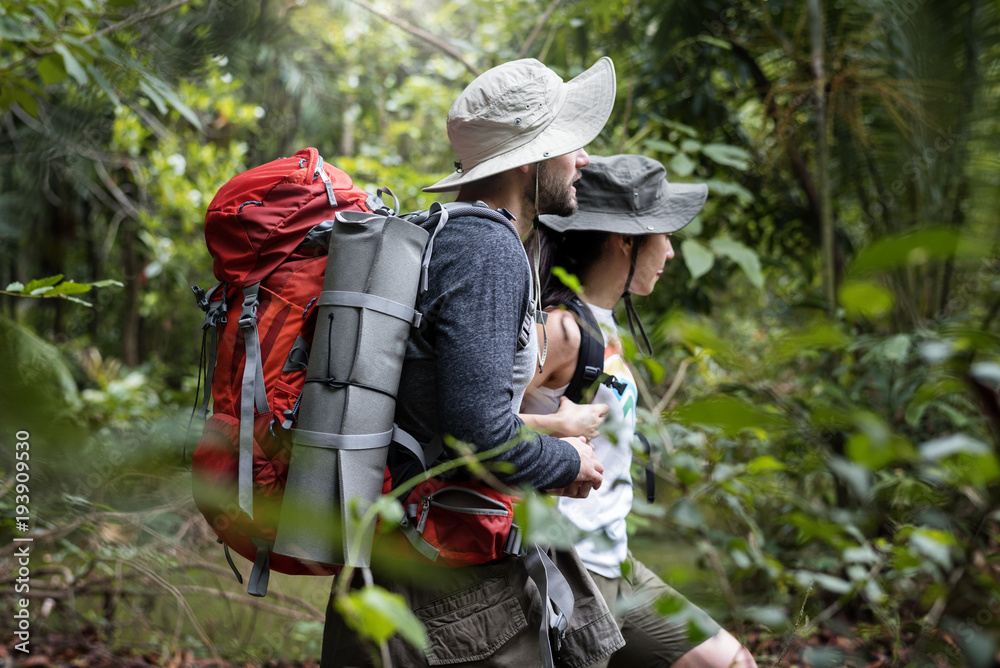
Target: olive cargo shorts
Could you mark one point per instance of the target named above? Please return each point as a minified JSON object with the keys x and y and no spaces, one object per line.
{"x":652,"y":639}
{"x":486,"y":615}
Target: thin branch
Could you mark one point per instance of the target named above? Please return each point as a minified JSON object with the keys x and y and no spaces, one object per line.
{"x":421,"y":34}
{"x":135,"y":18}
{"x":132,"y":20}
{"x":538,"y":28}
{"x":674,"y":386}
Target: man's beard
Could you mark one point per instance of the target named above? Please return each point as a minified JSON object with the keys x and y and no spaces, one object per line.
{"x":554,"y":195}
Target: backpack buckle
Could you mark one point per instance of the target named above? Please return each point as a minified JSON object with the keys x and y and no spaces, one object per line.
{"x":248,"y":317}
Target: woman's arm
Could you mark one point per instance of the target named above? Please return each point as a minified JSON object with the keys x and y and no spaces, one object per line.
{"x":581,"y":420}
{"x":562,"y":333}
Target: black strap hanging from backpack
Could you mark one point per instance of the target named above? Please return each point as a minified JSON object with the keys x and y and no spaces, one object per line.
{"x":590,"y":362}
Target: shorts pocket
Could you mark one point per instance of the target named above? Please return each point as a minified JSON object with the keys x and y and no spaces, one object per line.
{"x":472,"y":623}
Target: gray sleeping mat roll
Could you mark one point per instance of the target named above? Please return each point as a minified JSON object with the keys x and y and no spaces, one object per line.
{"x":345,"y":418}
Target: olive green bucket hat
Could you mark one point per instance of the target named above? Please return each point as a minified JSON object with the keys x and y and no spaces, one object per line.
{"x":630,"y":194}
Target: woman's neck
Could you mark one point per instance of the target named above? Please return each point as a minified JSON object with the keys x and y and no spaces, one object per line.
{"x":601,"y":293}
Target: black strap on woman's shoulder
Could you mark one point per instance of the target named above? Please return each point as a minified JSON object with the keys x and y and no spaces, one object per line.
{"x":590,"y":362}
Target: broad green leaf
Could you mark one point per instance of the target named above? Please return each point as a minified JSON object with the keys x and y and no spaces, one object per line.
{"x":44,"y":17}
{"x":390,"y":510}
{"x":107,"y":282}
{"x":986,"y":372}
{"x":823,"y":657}
{"x":103,"y":84}
{"x":940,"y":448}
{"x":680,"y":127}
{"x":730,"y":414}
{"x":12,"y":30}
{"x":11,"y":95}
{"x":681,"y":165}
{"x":934,"y":544}
{"x":379,"y":614}
{"x":670,"y":604}
{"x":964,"y":460}
{"x":687,"y":514}
{"x":915,"y":248}
{"x":770,"y":616}
{"x":725,"y":189}
{"x":73,"y":67}
{"x":897,"y":348}
{"x":168,"y":94}
{"x":660,"y":146}
{"x":153,"y":96}
{"x":823,"y":580}
{"x":730,"y":156}
{"x":742,"y":255}
{"x":697,"y":258}
{"x":858,"y":478}
{"x":69,"y":288}
{"x":51,"y":69}
{"x":823,"y":336}
{"x":690,"y":145}
{"x":865,"y":299}
{"x":42,"y":282}
{"x":862,"y":554}
{"x":714,"y":41}
{"x":764,"y":463}
{"x":874,"y":453}
{"x":935,"y":352}
{"x":542,"y":523}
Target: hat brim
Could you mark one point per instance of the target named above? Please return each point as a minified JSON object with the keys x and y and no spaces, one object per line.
{"x":590,"y":97}
{"x":682,"y":204}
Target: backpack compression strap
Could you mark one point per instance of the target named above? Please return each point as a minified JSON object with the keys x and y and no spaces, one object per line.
{"x":252,"y":395}
{"x":590,"y":361}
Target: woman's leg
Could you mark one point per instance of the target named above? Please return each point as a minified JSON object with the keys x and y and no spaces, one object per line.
{"x":721,"y":650}
{"x":654,"y":639}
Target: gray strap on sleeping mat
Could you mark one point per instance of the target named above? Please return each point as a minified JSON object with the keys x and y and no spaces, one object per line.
{"x":370,"y":302}
{"x":322,"y":439}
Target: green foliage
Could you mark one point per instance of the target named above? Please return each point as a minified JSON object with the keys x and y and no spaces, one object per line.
{"x":377,"y":614}
{"x":55,"y":286}
{"x":824,"y":466}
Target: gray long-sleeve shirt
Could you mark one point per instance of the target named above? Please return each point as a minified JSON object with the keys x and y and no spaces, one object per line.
{"x":457,"y":377}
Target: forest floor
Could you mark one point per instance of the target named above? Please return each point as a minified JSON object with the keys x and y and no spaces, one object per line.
{"x":87,"y":650}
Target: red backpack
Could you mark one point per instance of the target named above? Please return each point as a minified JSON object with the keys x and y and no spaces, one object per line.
{"x":263,"y":230}
{"x":263,"y":305}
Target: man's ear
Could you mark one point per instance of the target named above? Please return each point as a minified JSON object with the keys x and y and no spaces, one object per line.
{"x":527,"y":168}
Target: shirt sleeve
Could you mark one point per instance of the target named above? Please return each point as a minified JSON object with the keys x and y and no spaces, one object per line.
{"x":482,"y":296}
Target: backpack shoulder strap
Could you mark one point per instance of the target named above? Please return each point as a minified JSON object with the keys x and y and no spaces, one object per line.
{"x":590,"y":361}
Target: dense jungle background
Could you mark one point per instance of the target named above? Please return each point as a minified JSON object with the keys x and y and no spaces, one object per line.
{"x":823,"y":401}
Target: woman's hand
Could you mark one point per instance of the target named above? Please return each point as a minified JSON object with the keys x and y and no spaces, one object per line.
{"x":580,"y":419}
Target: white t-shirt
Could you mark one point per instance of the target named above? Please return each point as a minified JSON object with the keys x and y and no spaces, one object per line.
{"x":605,"y":509}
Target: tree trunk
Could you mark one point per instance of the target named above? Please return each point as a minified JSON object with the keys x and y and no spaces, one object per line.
{"x":132,"y":320}
{"x":823,"y":156}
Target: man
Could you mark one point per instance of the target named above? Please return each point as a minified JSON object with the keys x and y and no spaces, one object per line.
{"x":518,"y":131}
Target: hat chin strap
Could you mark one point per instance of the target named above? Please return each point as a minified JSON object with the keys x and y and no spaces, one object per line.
{"x":537,"y":279}
{"x":630,"y":312}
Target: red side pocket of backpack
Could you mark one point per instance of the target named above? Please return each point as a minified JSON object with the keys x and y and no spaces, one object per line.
{"x":467,"y":522}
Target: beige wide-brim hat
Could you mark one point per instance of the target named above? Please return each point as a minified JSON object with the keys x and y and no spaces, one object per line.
{"x":630,"y":194}
{"x":520,"y":113}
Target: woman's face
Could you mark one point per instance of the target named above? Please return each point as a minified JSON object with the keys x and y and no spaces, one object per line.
{"x":653,"y":255}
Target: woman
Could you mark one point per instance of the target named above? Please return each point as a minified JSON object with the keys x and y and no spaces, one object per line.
{"x":618,"y":243}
